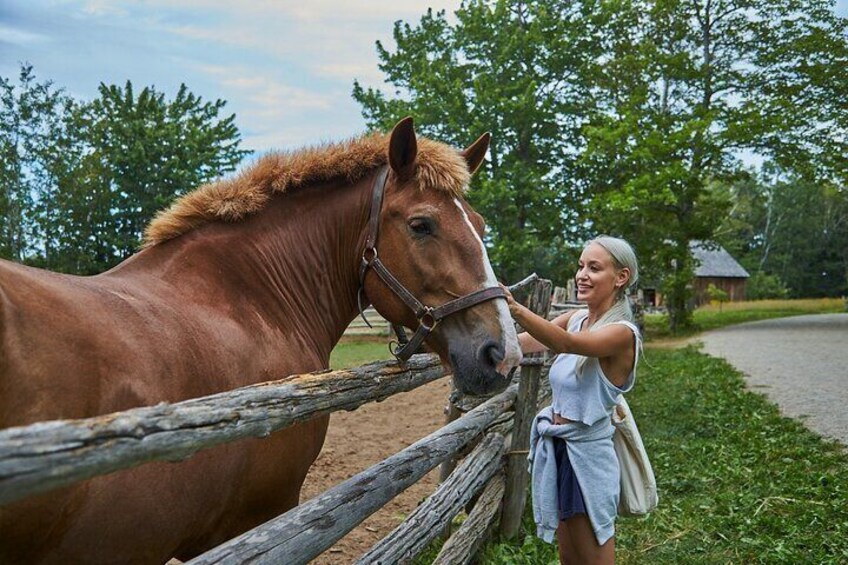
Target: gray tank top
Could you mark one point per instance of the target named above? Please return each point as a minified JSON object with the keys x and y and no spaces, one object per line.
{"x":591,"y":396}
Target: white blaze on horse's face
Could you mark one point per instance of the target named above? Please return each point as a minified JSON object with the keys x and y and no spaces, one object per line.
{"x":512,"y":349}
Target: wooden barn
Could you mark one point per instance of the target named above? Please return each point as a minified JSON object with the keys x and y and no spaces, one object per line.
{"x":719,"y":268}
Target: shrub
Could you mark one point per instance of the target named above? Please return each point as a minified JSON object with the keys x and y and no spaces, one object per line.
{"x":762,"y":286}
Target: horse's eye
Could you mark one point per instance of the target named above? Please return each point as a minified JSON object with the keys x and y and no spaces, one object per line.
{"x":421,"y":227}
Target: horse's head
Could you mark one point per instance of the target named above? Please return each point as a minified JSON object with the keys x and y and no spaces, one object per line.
{"x":430,"y":240}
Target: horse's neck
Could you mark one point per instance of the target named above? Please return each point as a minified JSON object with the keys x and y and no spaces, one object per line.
{"x":294,"y":264}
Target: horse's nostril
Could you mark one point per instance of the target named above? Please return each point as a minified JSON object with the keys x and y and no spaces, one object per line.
{"x":491,"y":354}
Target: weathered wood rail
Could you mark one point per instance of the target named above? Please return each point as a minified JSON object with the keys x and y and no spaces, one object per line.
{"x":44,"y":456}
{"x":302,"y":533}
{"x":48,"y":455}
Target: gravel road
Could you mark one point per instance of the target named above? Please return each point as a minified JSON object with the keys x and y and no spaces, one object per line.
{"x":799,"y":363}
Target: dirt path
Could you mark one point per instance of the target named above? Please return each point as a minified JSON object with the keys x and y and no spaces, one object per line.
{"x":799,"y":363}
{"x":357,"y":440}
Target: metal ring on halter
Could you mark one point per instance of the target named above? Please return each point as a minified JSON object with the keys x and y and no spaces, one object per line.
{"x":427,"y":319}
{"x":365,"y":255}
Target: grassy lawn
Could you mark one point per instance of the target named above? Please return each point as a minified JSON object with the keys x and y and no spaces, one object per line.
{"x":738,"y":483}
{"x":710,"y":317}
{"x":351,"y":352}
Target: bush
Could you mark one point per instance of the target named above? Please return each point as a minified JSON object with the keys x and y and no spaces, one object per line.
{"x":762,"y":286}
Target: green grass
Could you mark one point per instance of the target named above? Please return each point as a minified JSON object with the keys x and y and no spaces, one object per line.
{"x":712,"y":316}
{"x":351,"y":352}
{"x":738,"y":483}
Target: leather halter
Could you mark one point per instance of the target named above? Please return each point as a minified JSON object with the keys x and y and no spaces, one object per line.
{"x":428,"y":317}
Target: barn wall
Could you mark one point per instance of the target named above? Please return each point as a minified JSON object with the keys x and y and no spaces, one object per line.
{"x":734,"y":287}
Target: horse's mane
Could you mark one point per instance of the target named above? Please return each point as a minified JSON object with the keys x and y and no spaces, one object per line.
{"x":440,"y":167}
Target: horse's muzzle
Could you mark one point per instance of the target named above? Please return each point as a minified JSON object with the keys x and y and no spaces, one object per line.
{"x":476,"y":372}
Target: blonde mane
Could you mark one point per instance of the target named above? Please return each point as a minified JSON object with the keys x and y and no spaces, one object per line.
{"x":440,"y":167}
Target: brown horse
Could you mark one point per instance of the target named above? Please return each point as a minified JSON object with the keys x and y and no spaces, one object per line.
{"x":245,"y":280}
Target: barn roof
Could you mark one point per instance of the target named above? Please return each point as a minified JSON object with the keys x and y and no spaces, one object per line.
{"x":715,"y":261}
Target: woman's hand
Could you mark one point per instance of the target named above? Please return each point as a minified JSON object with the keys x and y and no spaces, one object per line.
{"x":514,"y":307}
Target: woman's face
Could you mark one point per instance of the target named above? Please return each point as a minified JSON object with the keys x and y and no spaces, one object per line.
{"x":597,"y":278}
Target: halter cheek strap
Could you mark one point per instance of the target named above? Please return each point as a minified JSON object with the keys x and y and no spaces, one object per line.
{"x":428,"y":317}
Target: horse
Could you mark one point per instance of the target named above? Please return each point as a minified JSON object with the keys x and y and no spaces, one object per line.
{"x":243,"y":280}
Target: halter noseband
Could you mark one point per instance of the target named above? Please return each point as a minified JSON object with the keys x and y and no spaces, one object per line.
{"x":428,"y":317}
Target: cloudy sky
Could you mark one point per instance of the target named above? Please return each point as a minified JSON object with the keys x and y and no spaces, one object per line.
{"x":285,"y":67}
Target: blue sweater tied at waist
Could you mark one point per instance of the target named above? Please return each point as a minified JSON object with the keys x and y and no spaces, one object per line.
{"x":594,"y":461}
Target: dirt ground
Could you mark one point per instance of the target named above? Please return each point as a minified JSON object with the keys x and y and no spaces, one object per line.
{"x":357,"y":440}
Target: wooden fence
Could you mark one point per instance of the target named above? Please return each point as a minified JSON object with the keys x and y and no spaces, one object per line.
{"x":493,"y":432}
{"x":379,"y":325}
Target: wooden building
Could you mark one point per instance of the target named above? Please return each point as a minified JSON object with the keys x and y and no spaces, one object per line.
{"x":717,"y":267}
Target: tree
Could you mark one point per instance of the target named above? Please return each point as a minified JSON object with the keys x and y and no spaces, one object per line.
{"x":624,"y":116}
{"x":717,"y":295}
{"x":142,"y":151}
{"x":79,"y":181}
{"x":701,"y":86}
{"x":31,"y":118}
{"x":794,"y":233}
{"x":511,"y":68}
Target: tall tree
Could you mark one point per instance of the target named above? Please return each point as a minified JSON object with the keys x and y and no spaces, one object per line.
{"x":80,"y":180}
{"x":792,"y":230}
{"x":516,"y":69}
{"x":31,"y":118}
{"x":707,"y":80}
{"x":631,"y":111}
{"x":143,"y":151}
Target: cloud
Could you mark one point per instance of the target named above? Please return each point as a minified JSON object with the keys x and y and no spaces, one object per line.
{"x":285,"y":67}
{"x":20,"y":37}
{"x":264,"y":91}
{"x":103,"y":8}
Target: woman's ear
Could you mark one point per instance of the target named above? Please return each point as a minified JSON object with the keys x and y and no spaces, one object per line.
{"x":622,"y":277}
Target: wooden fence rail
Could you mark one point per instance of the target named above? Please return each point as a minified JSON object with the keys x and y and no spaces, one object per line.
{"x":304,"y":532}
{"x":462,"y":546}
{"x":47,"y":455}
{"x":427,"y":521}
{"x":379,"y":325}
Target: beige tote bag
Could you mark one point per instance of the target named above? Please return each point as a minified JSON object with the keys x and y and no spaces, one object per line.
{"x":638,"y":484}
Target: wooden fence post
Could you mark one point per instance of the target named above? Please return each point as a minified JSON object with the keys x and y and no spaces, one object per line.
{"x":452,"y":412}
{"x":525,"y":410}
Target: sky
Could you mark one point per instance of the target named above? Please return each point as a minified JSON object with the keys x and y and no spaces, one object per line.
{"x":286,"y":68}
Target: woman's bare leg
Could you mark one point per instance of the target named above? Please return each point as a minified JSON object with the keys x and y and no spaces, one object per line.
{"x":585,"y":546}
{"x":567,"y":554}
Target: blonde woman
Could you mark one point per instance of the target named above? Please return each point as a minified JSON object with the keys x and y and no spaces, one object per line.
{"x":575,"y":472}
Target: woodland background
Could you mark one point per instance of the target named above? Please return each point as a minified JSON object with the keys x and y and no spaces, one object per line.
{"x":662,"y":121}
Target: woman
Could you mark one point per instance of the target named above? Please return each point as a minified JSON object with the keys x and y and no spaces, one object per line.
{"x":575,"y":469}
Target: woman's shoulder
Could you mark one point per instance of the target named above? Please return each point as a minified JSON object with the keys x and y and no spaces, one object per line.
{"x":564,"y":320}
{"x":631,"y":325}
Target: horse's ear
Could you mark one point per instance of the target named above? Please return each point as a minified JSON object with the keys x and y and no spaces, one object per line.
{"x":476,"y":152}
{"x":403,"y":148}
